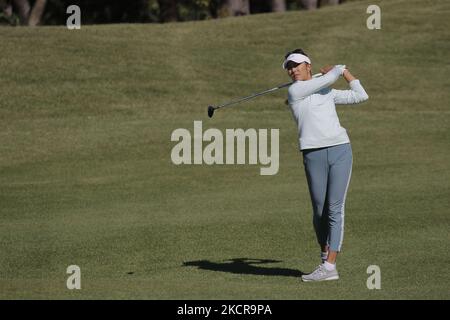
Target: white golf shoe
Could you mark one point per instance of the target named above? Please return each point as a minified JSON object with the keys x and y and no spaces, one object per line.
{"x":321,"y":274}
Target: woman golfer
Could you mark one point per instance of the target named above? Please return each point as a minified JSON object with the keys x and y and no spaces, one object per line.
{"x":326,"y":149}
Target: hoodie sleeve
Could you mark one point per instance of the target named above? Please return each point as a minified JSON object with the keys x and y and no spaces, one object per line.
{"x":301,"y":89}
{"x":356,"y":94}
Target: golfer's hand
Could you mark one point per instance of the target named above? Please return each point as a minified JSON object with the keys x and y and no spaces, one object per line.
{"x":325,"y":69}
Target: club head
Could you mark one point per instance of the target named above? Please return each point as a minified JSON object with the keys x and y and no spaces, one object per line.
{"x":210,"y":111}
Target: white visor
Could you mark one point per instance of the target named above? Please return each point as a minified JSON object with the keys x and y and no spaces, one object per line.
{"x":296,"y":57}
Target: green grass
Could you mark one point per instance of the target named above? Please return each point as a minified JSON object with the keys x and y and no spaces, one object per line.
{"x":86,"y":176}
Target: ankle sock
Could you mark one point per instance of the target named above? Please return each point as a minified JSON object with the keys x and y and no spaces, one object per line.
{"x":329,"y":266}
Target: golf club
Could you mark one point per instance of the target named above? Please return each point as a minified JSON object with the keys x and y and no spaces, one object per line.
{"x":211,"y":109}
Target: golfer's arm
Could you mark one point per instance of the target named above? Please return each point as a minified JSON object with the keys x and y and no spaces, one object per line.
{"x":356,"y":94}
{"x":301,"y":89}
{"x":348,"y":76}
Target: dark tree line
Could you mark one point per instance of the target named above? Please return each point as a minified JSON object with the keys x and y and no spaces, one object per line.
{"x":36,"y":12}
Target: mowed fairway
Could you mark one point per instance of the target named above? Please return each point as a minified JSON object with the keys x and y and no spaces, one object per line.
{"x":86,"y":176}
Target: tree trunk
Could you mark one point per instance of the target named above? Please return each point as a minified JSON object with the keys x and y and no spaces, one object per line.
{"x":23,"y":10}
{"x":36,"y":13}
{"x":309,"y":4}
{"x":328,"y":2}
{"x":238,"y":7}
{"x":278,"y":5}
{"x":168,"y":10}
{"x":6,"y":8}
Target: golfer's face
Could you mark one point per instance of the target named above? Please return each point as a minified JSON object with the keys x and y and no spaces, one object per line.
{"x":300,"y":72}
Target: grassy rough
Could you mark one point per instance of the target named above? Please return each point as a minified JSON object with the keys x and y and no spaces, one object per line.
{"x":86,"y":176}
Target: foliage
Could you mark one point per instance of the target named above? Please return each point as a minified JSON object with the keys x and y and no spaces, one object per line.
{"x":12,"y":20}
{"x":139,"y":11}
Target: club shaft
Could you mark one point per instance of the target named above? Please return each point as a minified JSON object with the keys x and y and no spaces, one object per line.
{"x":253,"y":96}
{"x":258,"y":94}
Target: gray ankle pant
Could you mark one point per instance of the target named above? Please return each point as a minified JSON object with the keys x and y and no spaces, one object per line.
{"x":328,"y":171}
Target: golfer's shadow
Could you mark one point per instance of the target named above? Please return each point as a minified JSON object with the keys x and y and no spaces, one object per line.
{"x":244,"y":266}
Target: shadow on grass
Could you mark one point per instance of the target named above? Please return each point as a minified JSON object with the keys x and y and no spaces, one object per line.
{"x":244,"y":266}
